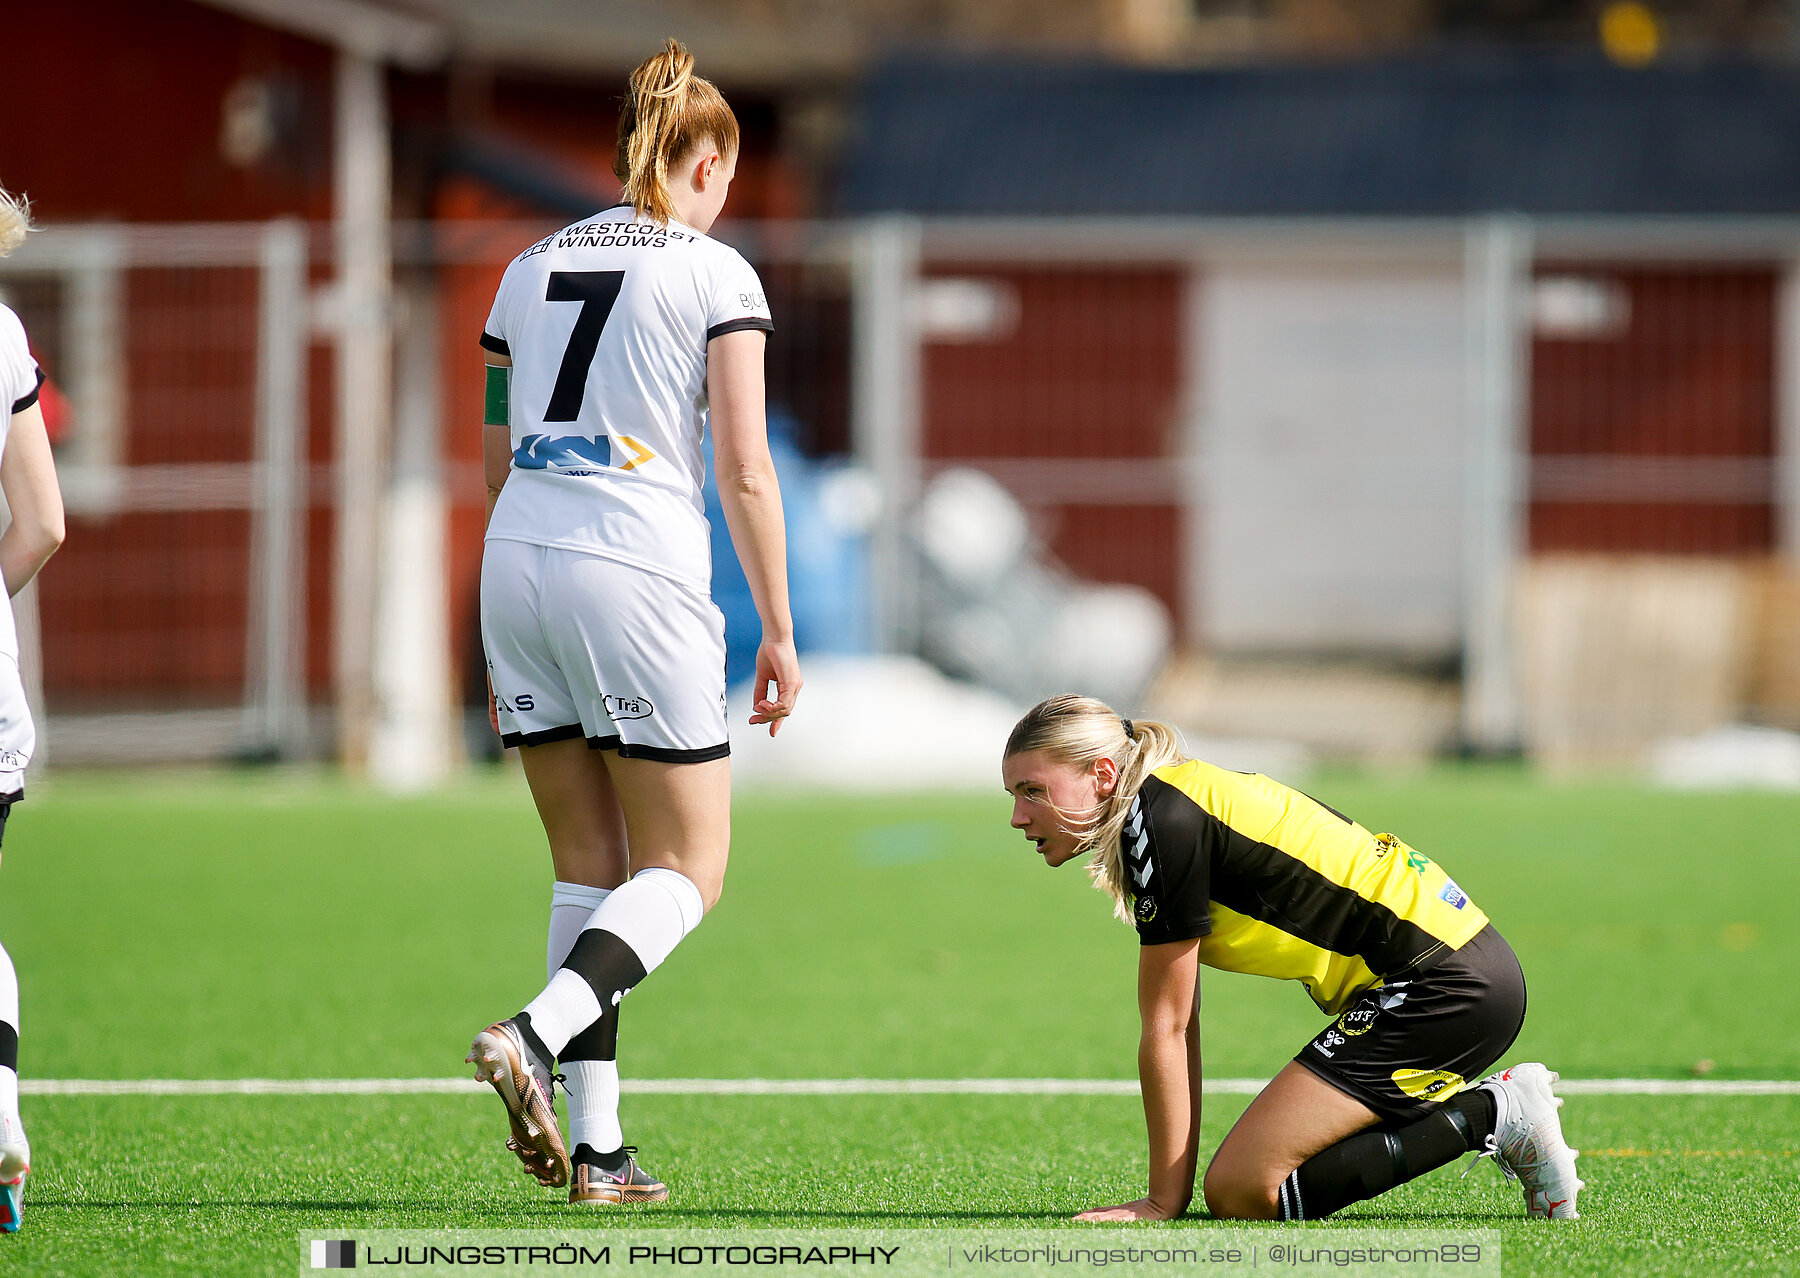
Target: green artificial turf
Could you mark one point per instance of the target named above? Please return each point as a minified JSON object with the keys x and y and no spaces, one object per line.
{"x":258,"y":925}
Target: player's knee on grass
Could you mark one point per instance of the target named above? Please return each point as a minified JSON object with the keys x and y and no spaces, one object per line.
{"x":1232,"y":1195}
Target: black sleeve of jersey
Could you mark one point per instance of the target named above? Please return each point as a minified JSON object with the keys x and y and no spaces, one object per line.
{"x":739,"y":326}
{"x":1168,"y":866}
{"x":495,"y":344}
{"x":31,"y":397}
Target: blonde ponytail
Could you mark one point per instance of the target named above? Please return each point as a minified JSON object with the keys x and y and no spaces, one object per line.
{"x":1075,"y":731}
{"x":667,"y":113}
{"x":15,"y":221}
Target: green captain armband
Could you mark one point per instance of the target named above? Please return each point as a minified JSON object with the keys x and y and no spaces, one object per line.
{"x":499,"y":396}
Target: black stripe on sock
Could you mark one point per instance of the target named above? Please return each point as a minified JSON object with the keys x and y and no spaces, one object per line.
{"x":598,"y":1042}
{"x":9,"y":1047}
{"x":606,"y":963}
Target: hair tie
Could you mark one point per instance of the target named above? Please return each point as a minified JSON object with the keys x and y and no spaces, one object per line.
{"x":1130,"y":732}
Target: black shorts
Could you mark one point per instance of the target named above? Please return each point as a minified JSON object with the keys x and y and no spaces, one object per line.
{"x":1404,"y":1048}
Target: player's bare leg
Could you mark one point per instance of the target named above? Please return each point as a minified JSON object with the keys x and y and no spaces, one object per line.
{"x":1304,"y":1150}
{"x":678,"y":828}
{"x":573,"y":789}
{"x":677,"y":817}
{"x":1297,"y":1115}
{"x":586,"y":832}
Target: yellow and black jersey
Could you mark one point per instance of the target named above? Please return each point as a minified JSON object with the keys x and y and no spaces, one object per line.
{"x":1277,"y":884}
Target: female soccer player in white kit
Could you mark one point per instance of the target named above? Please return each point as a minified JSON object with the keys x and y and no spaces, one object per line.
{"x":28,"y":478}
{"x":608,"y":343}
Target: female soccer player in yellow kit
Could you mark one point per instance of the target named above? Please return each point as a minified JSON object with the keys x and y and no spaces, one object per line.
{"x":1241,"y":873}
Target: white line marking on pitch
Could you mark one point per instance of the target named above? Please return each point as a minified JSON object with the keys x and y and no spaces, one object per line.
{"x":815,"y":1087}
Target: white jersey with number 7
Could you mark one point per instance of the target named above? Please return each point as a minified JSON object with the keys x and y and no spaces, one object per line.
{"x":606,"y":323}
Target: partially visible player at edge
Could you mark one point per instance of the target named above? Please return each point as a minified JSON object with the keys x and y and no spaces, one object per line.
{"x":609,"y":346}
{"x":1244,"y":874}
{"x":28,"y":478}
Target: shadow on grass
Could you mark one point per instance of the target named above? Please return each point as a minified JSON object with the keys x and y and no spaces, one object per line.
{"x":797,"y":1213}
{"x":1414,"y":1220}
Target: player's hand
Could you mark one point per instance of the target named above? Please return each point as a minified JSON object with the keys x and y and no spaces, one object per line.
{"x":778,"y":664}
{"x":1142,"y":1209}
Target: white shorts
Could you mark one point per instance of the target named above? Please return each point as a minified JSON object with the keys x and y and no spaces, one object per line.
{"x":580,"y":646}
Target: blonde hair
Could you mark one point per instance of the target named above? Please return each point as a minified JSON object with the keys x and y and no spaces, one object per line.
{"x":668,"y":112}
{"x":1075,"y":731}
{"x":15,"y":221}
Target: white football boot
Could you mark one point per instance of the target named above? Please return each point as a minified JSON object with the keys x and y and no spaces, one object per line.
{"x":1527,"y":1141}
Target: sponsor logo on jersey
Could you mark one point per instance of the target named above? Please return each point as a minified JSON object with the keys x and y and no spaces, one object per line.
{"x":621,"y":235}
{"x":754,"y":301}
{"x":1428,"y":1084}
{"x":1453,"y":894}
{"x":618,"y":708}
{"x":577,"y":454}
{"x":1145,"y":909}
{"x":561,"y":452}
{"x":1416,"y":861}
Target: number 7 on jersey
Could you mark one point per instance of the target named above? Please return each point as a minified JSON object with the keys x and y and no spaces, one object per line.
{"x":596,"y":291}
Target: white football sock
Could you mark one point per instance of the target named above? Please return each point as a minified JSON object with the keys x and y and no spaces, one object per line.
{"x":590,"y":1087}
{"x":567,"y":1006}
{"x":650,"y":914}
{"x":571,"y":906}
{"x":593,"y":1091}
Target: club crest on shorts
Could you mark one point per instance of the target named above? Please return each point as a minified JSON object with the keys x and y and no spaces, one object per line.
{"x":618,"y":708}
{"x":1144,"y":909}
{"x":1358,"y":1020}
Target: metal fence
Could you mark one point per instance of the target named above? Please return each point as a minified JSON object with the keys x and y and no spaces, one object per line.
{"x":1397,"y":487}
